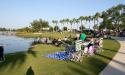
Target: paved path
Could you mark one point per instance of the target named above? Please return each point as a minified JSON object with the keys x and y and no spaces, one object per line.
{"x":117,"y":65}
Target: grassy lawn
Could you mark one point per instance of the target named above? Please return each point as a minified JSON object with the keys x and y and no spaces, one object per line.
{"x":18,"y":63}
{"x":53,"y":35}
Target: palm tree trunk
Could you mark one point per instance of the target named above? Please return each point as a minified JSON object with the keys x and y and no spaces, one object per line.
{"x":77,"y":26}
{"x":94,"y":22}
{"x":81,"y":25}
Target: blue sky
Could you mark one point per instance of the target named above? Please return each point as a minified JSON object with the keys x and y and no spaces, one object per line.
{"x":20,"y":13}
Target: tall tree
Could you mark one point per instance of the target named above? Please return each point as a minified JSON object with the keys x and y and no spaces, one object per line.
{"x":62,"y":22}
{"x":74,"y":21}
{"x":81,"y":18}
{"x":55,"y":22}
{"x":77,"y":22}
{"x":90,"y":19}
{"x":67,"y":21}
{"x":114,"y":17}
{"x":37,"y":25}
{"x":71,"y":23}
{"x":96,"y":18}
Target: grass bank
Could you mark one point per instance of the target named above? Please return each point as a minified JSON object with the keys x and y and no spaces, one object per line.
{"x":51,"y":35}
{"x":19,"y":63}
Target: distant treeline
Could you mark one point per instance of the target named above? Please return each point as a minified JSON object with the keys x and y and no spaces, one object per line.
{"x":111,"y":19}
{"x":5,"y":29}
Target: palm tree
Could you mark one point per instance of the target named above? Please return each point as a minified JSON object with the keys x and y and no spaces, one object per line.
{"x":81,"y":18}
{"x":104,"y":16}
{"x":86,"y":19}
{"x":96,"y":18}
{"x":62,"y":21}
{"x":77,"y":22}
{"x":97,"y":15}
{"x":90,"y":19}
{"x":55,"y":22}
{"x":74,"y":21}
{"x":71,"y":23}
{"x":67,"y":21}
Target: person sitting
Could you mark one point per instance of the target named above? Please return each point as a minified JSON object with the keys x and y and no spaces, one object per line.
{"x":65,"y":39}
{"x":91,"y":46}
{"x":43,"y":40}
{"x":57,"y":42}
{"x":59,"y":39}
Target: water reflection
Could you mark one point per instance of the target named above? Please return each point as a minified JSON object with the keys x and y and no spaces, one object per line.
{"x":15,"y":44}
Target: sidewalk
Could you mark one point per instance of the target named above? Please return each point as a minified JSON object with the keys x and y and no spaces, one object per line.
{"x":117,"y":65}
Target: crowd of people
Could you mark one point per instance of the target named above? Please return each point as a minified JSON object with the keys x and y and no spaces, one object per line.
{"x":86,"y":46}
{"x":56,"y":42}
{"x":83,"y":46}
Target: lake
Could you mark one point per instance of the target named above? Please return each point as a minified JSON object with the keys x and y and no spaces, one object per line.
{"x":13,"y":43}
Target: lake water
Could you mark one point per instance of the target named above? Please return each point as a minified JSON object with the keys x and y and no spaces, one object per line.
{"x":15,"y":44}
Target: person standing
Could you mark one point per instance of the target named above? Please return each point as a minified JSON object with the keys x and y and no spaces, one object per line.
{"x":1,"y":53}
{"x":30,"y":71}
{"x":82,"y":36}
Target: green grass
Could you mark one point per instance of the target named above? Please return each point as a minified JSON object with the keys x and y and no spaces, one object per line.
{"x":19,"y":63}
{"x":52,"y":35}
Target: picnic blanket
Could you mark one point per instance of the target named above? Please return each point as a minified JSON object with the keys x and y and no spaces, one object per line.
{"x":59,"y":55}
